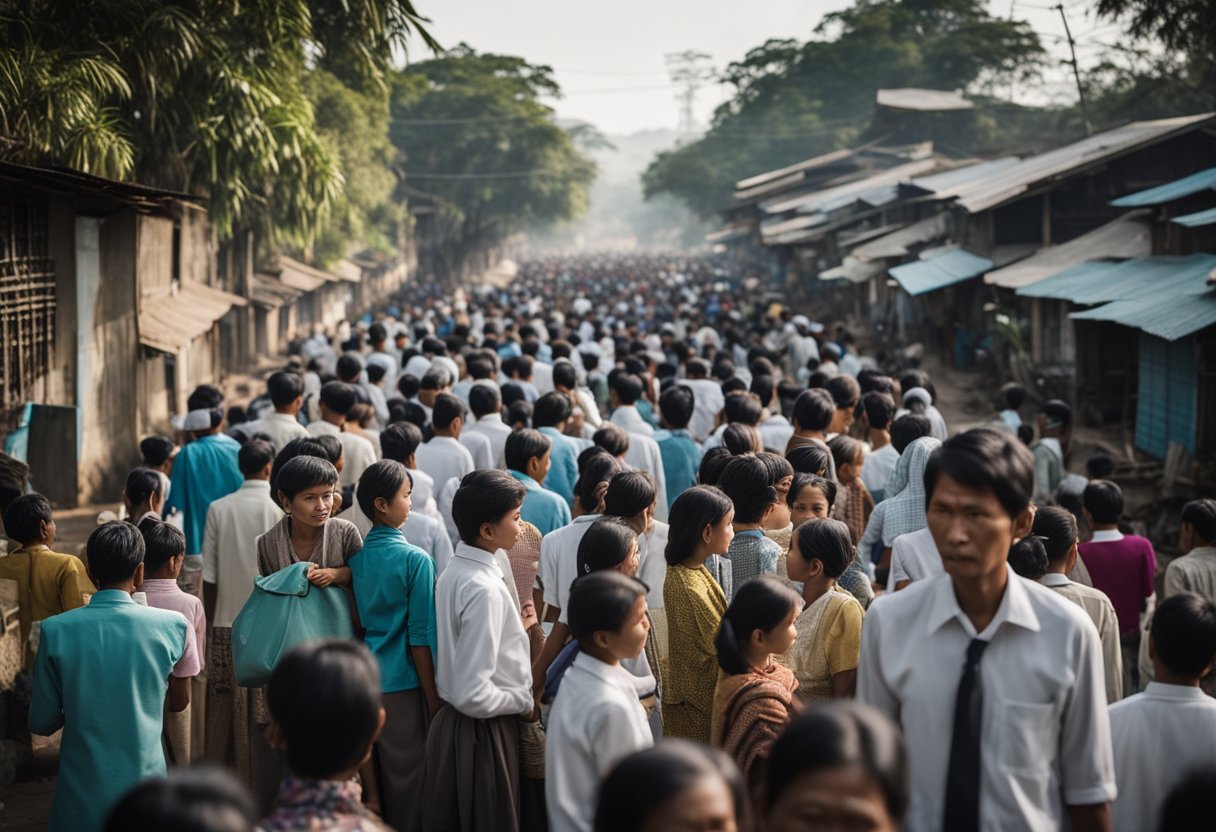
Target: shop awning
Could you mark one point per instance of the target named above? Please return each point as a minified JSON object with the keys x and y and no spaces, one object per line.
{"x":1170,"y":316}
{"x":1127,"y":237}
{"x":898,"y":243}
{"x":853,"y":270}
{"x":1096,"y":282}
{"x":301,"y":276}
{"x":270,"y":293}
{"x":939,"y":268}
{"x":1204,"y":180}
{"x":1197,"y":219}
{"x":171,"y":321}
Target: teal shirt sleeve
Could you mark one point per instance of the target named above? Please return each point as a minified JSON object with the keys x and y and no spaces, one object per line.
{"x":46,"y":705}
{"x":420,"y":598}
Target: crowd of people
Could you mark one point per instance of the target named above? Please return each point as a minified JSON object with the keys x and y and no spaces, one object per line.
{"x":624,"y":545}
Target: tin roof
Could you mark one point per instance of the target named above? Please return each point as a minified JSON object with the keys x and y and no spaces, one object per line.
{"x":1204,"y":180}
{"x":1169,"y":315}
{"x":939,"y":268}
{"x":1126,"y":237}
{"x":1094,"y":282}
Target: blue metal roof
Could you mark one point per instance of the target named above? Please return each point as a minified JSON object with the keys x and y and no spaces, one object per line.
{"x":939,"y":269}
{"x":1197,"y":219}
{"x":1202,"y":181}
{"x":1096,"y":282}
{"x":1167,"y":316}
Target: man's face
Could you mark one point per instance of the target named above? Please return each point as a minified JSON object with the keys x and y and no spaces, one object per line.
{"x":971,"y":528}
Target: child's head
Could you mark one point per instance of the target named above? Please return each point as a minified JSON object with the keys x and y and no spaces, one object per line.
{"x":820,"y":548}
{"x":1183,"y":636}
{"x":597,"y":467}
{"x":28,"y":520}
{"x":676,"y":784}
{"x":700,"y":525}
{"x":486,"y":509}
{"x":145,"y":489}
{"x":324,"y":700}
{"x":305,"y":446}
{"x":255,"y":459}
{"x":1198,"y":524}
{"x":1028,"y":558}
{"x":810,"y":459}
{"x":846,"y":760}
{"x":305,"y":489}
{"x":631,"y":495}
{"x":155,"y":450}
{"x":196,"y":799}
{"x":1103,"y":502}
{"x":337,"y":398}
{"x":849,"y":455}
{"x":1012,"y":396}
{"x":399,"y":441}
{"x":712,"y":465}
{"x":759,"y":621}
{"x":609,"y":543}
{"x":447,"y":415}
{"x":612,"y":439}
{"x":551,"y":410}
{"x":676,"y":406}
{"x":484,"y":399}
{"x":879,"y":409}
{"x":747,"y":482}
{"x":528,"y":452}
{"x":164,"y":549}
{"x":814,"y":410}
{"x":607,"y":615}
{"x":114,"y":555}
{"x":518,"y":413}
{"x":810,"y":496}
{"x":384,"y":492}
{"x":742,"y":439}
{"x":1100,"y":466}
{"x":908,"y":428}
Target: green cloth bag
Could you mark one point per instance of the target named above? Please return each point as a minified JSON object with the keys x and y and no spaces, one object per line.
{"x":284,"y":610}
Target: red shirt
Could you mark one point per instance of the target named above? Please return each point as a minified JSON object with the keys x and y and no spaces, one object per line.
{"x":1124,"y":570}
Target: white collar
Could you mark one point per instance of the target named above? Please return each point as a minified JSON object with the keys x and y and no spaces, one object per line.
{"x":1015,"y":608}
{"x":1055,"y":579}
{"x":1106,"y":536}
{"x":1160,"y":690}
{"x":490,"y":418}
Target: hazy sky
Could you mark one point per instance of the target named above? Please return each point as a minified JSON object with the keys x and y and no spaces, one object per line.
{"x":609,"y":57}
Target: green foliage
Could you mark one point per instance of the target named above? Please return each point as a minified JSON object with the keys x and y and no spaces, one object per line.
{"x":1182,"y":25}
{"x":475,"y":137}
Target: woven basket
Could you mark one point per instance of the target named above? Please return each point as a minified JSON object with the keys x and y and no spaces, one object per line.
{"x":532,"y":750}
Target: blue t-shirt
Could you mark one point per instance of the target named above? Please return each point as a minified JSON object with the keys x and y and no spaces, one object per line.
{"x":542,"y":508}
{"x":204,"y":471}
{"x":681,"y":461}
{"x":563,"y":465}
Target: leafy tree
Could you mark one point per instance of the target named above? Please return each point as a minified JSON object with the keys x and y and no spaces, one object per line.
{"x":1182,"y":25}
{"x":476,"y":138}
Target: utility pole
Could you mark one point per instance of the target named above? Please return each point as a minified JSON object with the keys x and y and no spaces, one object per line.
{"x":1076,"y":72}
{"x":689,"y":70}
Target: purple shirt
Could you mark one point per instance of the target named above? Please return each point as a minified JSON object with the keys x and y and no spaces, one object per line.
{"x":165,"y":594}
{"x":1123,"y":568}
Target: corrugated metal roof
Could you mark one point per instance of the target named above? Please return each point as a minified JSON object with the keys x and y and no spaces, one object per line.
{"x":922,"y":100}
{"x":948,"y":180}
{"x":831,"y":198}
{"x":171,"y":321}
{"x":1204,"y":180}
{"x":773,"y":230}
{"x":1170,"y":317}
{"x":1011,"y":182}
{"x":897,"y":243}
{"x":853,"y":270}
{"x":797,"y":167}
{"x":270,"y":293}
{"x":939,"y":268}
{"x":1197,"y":219}
{"x":730,"y":231}
{"x":1099,"y":282}
{"x":1126,"y":237}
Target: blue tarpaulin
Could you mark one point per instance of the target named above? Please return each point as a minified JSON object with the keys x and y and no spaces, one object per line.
{"x":1204,"y":180}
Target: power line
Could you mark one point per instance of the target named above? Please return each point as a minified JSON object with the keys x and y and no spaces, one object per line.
{"x":514,"y":174}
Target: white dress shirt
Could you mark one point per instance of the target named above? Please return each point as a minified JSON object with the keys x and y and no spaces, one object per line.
{"x":558,"y":566}
{"x":483,"y":668}
{"x":492,"y":427}
{"x":775,"y":432}
{"x":878,"y":467}
{"x":595,"y":722}
{"x":708,"y":402}
{"x":357,"y":453}
{"x":444,"y":458}
{"x":422,"y":530}
{"x":644,"y":455}
{"x":542,"y":377}
{"x":914,"y":557}
{"x":230,"y":551}
{"x":280,"y":427}
{"x":422,"y":498}
{"x":1045,"y":737}
{"x":627,"y":418}
{"x":1100,"y":611}
{"x":652,"y":565}
{"x":591,"y":410}
{"x":1159,"y":736}
{"x":479,"y":448}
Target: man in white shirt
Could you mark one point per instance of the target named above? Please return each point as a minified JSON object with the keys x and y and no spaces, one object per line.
{"x":707,"y":399}
{"x":542,"y":372}
{"x":287,"y":395}
{"x":479,"y":447}
{"x":914,"y":557}
{"x":624,"y":391}
{"x":877,"y":411}
{"x":444,"y":457}
{"x":565,"y":381}
{"x":775,"y":429}
{"x":979,"y":658}
{"x":486,"y":404}
{"x":1169,"y":730}
{"x":350,"y":370}
{"x":644,"y":455}
{"x":337,"y":398}
{"x":382,"y":353}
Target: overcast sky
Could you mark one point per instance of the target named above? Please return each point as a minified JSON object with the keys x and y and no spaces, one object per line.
{"x":609,"y":57}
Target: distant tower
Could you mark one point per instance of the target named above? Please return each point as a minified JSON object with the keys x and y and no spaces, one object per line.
{"x":689,"y":70}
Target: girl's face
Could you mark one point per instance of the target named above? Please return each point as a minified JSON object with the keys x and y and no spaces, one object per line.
{"x":721,"y":534}
{"x":394,"y":511}
{"x":313,"y":506}
{"x":632,"y":561}
{"x":799,"y":567}
{"x":504,"y":533}
{"x":780,"y":638}
{"x":705,"y":806}
{"x":810,"y":504}
{"x":629,"y":641}
{"x":838,"y":798}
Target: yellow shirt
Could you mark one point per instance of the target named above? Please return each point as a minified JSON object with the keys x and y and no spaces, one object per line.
{"x":694,"y":604}
{"x":48,"y":583}
{"x":828,"y":642}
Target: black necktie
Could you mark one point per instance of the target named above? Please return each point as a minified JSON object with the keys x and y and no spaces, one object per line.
{"x":963,"y":776}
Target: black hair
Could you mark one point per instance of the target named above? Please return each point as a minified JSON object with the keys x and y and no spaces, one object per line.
{"x":1183,"y":630}
{"x":142,"y":483}
{"x":741,"y":439}
{"x":480,"y":366}
{"x":734,"y":384}
{"x":530,"y":346}
{"x":917,"y":378}
{"x":205,"y":397}
{"x":879,"y":409}
{"x":600,"y":599}
{"x":845,"y":391}
{"x":519,"y":412}
{"x":778,"y":466}
{"x":827,"y":541}
{"x":818,"y":379}
{"x":338,"y":396}
{"x":25,"y":515}
{"x":629,"y":493}
{"x":375,"y":372}
{"x":762,"y":388}
{"x":1025,"y":433}
{"x":349,"y":365}
{"x":908,"y":428}
{"x":377,"y":333}
{"x":1100,"y":466}
{"x":1103,"y":500}
{"x":1057,"y":411}
{"x":814,"y":410}
{"x":742,"y":408}
{"x":521,"y":366}
{"x":605,"y":544}
{"x":484,"y":496}
{"x":202,"y":798}
{"x":845,"y":449}
{"x":155,"y":450}
{"x":564,"y":375}
{"x":331,"y":447}
{"x":677,"y":404}
{"x":697,"y":368}
{"x":254,"y":456}
{"x":712,"y":465}
{"x":761,"y":603}
{"x":284,"y":388}
{"x":1201,"y":514}
{"x":643,"y":782}
{"x":696,"y":508}
{"x":550,"y":410}
{"x":162,"y":542}
{"x":114,"y":551}
{"x":522,"y":445}
{"x":382,"y":479}
{"x":748,"y":484}
{"x":826,"y":487}
{"x":836,"y":734}
{"x":304,"y":446}
{"x":810,"y":459}
{"x":598,"y":468}
{"x":435,"y":378}
{"x":1013,"y":395}
{"x":1028,"y":558}
{"x":447,"y":409}
{"x":511,"y":393}
{"x":304,"y":472}
{"x":1056,"y":528}
{"x":400,"y":440}
{"x":337,"y":678}
{"x":988,"y":459}
{"x":434,"y":346}
{"x":612,"y":439}
{"x":408,"y":385}
{"x":628,"y":387}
